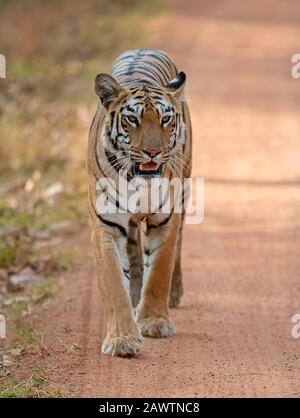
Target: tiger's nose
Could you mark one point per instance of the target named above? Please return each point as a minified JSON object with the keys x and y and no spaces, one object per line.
{"x":152,"y":152}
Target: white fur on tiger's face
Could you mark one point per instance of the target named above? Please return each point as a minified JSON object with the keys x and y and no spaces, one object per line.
{"x":144,"y":125}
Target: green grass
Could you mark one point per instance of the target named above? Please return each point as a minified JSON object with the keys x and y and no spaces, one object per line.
{"x":24,"y":336}
{"x":19,"y":309}
{"x":33,"y":387}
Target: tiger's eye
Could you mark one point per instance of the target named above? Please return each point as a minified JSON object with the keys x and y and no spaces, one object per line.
{"x":165,"y":119}
{"x":133,"y":120}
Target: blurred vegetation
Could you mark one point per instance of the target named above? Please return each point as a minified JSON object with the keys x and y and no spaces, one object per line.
{"x":53,"y":51}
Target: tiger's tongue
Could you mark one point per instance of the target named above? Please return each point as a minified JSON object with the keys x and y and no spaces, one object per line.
{"x":150,"y":166}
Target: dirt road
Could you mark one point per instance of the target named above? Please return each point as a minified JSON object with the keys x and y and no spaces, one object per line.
{"x":241,"y":265}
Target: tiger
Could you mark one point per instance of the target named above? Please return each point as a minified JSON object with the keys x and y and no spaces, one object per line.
{"x":141,"y":128}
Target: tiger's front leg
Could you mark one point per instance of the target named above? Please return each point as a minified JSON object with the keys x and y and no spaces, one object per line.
{"x":123,"y":337}
{"x":176,"y":291}
{"x":160,"y":251}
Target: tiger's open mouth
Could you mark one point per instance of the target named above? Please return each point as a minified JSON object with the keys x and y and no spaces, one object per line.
{"x":147,"y":169}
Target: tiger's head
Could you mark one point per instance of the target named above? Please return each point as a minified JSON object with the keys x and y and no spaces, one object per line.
{"x":144,"y":125}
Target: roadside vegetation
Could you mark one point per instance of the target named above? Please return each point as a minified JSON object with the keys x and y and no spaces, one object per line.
{"x":46,"y":105}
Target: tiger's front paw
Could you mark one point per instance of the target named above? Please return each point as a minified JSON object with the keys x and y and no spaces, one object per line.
{"x":123,"y":346}
{"x":157,"y":327}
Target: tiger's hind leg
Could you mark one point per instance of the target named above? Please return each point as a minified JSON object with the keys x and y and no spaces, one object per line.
{"x":176,"y":291}
{"x":135,"y":256}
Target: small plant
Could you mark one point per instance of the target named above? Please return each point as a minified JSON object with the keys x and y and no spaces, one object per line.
{"x":34,"y":387}
{"x":73,"y":348}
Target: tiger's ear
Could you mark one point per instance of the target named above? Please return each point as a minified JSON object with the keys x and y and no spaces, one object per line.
{"x":107,"y":88}
{"x":176,"y":86}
